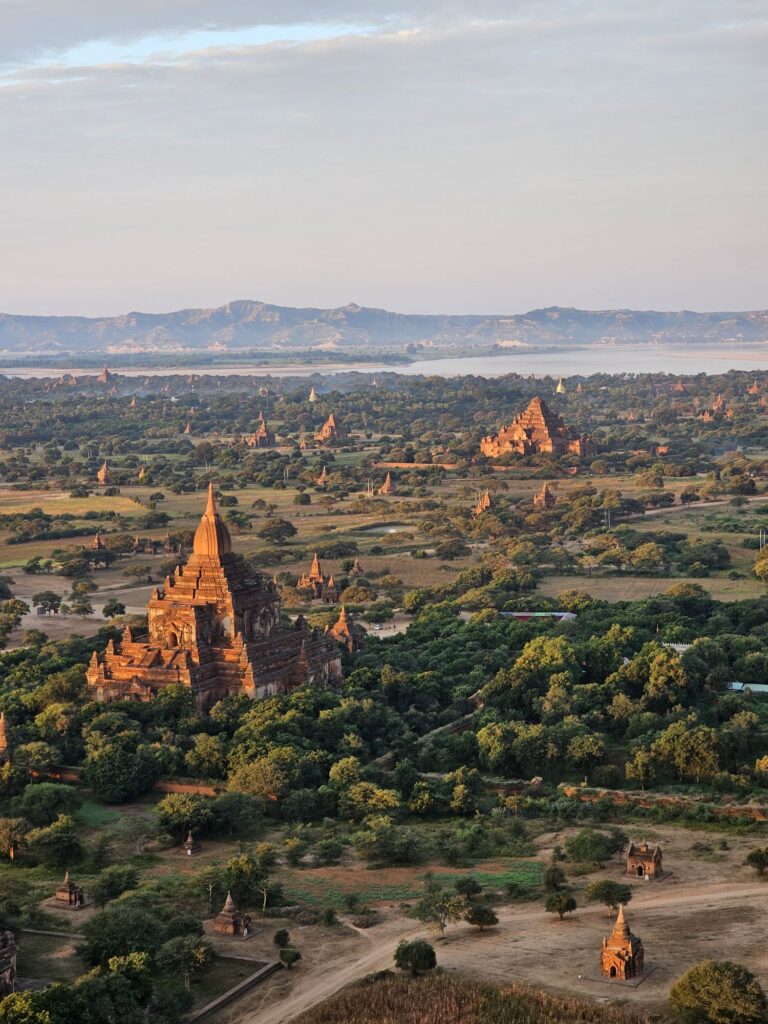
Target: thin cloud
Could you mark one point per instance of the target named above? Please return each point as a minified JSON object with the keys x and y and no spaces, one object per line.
{"x":456,"y":156}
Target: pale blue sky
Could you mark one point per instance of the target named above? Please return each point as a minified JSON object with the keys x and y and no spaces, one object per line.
{"x":457,"y":156}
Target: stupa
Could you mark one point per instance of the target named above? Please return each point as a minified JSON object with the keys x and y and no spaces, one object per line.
{"x":484,"y":502}
{"x":544,"y":498}
{"x":388,"y":487}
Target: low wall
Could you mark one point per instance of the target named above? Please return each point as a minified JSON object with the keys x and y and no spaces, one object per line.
{"x":159,"y":785}
{"x":235,"y":991}
{"x":200,"y":788}
{"x":641,"y":798}
{"x":416,"y":465}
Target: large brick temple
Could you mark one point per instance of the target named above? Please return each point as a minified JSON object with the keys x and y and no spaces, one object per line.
{"x":215,"y":627}
{"x":538,"y":429}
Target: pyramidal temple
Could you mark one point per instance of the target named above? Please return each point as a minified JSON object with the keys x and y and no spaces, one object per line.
{"x":538,"y":429}
{"x":215,"y":627}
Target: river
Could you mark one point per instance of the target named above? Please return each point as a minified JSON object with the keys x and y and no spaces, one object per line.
{"x":584,"y":361}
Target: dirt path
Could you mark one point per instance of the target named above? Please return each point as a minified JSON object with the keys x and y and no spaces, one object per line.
{"x":693,"y":507}
{"x":323,"y":980}
{"x":464,"y":949}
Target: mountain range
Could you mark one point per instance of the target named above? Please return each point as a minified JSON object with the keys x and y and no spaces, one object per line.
{"x":246,"y":325}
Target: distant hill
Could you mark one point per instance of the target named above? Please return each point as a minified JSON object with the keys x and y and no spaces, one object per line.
{"x":258,"y":325}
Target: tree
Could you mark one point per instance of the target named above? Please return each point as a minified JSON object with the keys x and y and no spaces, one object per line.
{"x":438,"y":908}
{"x":482,"y":916}
{"x":277,"y":530}
{"x":467,"y":886}
{"x":647,"y":557}
{"x":261,"y":778}
{"x":57,"y":845}
{"x":208,"y":757}
{"x":758,"y":859}
{"x":48,"y":600}
{"x":589,"y":846}
{"x":365,"y":798}
{"x":24,"y":1008}
{"x":234,"y":813}
{"x":554,"y":879}
{"x":560,"y":903}
{"x":138,"y":830}
{"x":81,"y":605}
{"x":113,"y":882}
{"x":177,"y":813}
{"x":641,"y":768}
{"x":719,"y":992}
{"x":415,"y":956}
{"x":116,"y":773}
{"x":118,"y":931}
{"x":13,"y":835}
{"x":246,"y":876}
{"x":282,"y":938}
{"x":37,"y":758}
{"x":42,"y":802}
{"x":612,"y":894}
{"x":112,"y":608}
{"x":344,"y":773}
{"x":289,"y":956}
{"x":186,"y":954}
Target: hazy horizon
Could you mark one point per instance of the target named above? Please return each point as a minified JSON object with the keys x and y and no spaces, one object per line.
{"x":409,"y":312}
{"x":463,"y":156}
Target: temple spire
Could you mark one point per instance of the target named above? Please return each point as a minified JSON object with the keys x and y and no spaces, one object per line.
{"x":212,"y":539}
{"x":620,"y":928}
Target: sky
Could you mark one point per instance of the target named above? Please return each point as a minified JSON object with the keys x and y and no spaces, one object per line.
{"x":463,"y":156}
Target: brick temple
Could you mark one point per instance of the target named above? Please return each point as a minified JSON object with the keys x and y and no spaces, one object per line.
{"x":331,"y":432}
{"x":215,"y":627}
{"x":645,"y":860}
{"x":621,"y":954}
{"x":538,"y":429}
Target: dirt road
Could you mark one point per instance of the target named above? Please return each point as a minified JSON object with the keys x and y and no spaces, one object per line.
{"x":519,"y":928}
{"x":323,"y":980}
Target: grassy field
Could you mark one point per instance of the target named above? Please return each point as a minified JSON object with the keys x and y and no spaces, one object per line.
{"x":47,"y":958}
{"x":322,"y":887}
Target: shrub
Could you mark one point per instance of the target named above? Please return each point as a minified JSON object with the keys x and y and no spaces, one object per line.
{"x":289,"y":956}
